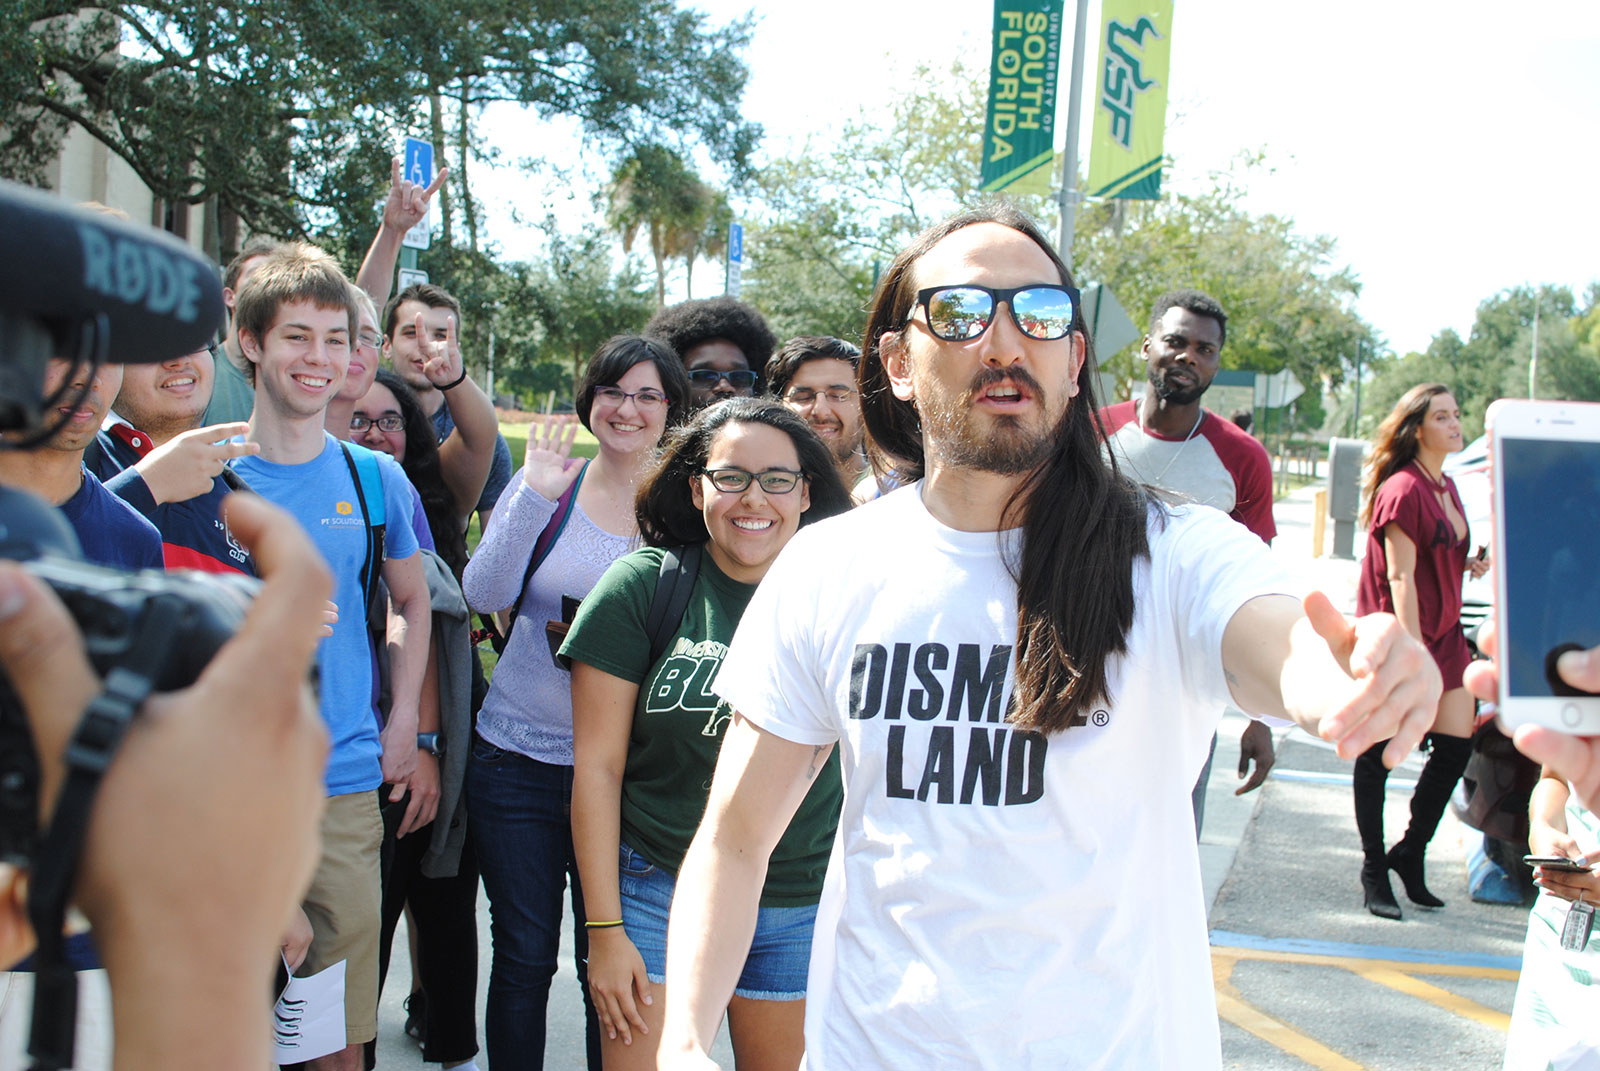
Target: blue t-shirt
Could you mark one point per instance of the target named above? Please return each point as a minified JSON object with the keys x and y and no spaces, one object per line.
{"x":323,"y":497}
{"x":444,"y":426}
{"x":110,"y":531}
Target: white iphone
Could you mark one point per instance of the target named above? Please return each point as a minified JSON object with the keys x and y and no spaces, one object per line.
{"x":1546,"y":556}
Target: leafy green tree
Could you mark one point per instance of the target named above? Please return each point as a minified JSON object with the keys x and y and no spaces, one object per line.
{"x":655,"y":191}
{"x":286,"y":112}
{"x":577,"y":301}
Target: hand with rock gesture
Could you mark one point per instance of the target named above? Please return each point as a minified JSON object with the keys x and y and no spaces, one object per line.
{"x":408,"y":201}
{"x":441,"y":357}
{"x":548,"y":467}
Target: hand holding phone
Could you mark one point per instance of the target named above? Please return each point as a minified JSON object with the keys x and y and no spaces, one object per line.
{"x":1547,"y":591}
{"x":1558,"y":862}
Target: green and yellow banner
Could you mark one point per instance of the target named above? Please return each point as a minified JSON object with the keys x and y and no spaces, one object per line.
{"x":1130,"y":100}
{"x":1019,"y":127}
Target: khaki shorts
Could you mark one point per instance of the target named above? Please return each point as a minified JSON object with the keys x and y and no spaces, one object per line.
{"x":343,"y":905}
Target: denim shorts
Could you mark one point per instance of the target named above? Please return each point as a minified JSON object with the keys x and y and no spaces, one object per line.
{"x":779,"y":955}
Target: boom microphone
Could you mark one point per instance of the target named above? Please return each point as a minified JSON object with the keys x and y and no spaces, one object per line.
{"x":78,"y":272}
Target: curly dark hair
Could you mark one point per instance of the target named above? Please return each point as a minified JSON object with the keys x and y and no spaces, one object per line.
{"x":666,"y":514}
{"x":689,"y":323}
{"x":422,"y":467}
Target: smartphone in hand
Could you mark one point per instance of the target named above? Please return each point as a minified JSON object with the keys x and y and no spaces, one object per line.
{"x":1546,"y":458}
{"x":1557,"y":862}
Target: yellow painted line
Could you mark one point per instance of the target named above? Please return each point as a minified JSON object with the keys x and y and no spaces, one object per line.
{"x":1443,"y":998}
{"x":1233,"y":1008}
{"x":1454,"y":970}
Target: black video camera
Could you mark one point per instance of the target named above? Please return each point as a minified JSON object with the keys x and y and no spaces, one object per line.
{"x":87,"y":288}
{"x":113,"y":609}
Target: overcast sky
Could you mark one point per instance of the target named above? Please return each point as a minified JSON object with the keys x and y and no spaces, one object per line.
{"x":1451,"y":148}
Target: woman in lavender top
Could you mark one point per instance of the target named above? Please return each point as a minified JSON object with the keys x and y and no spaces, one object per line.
{"x":519,"y":777}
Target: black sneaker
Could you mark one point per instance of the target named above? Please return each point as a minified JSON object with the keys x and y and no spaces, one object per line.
{"x":417,"y":1016}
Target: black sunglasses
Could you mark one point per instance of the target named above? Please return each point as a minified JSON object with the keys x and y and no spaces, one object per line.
{"x":738,"y":379}
{"x":1044,"y":311}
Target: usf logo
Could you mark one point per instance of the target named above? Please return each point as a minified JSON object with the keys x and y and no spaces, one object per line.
{"x":1124,"y":74}
{"x":684,"y":684}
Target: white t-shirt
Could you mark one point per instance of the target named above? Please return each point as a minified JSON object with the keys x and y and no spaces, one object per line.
{"x":997,"y":899}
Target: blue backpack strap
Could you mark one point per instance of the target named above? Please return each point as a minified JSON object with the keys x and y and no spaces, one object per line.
{"x":544,"y":545}
{"x":368,"y":479}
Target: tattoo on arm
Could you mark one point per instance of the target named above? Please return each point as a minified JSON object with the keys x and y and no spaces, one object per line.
{"x":816,"y":763}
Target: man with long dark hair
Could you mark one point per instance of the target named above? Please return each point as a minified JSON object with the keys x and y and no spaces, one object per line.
{"x":1023,"y":659}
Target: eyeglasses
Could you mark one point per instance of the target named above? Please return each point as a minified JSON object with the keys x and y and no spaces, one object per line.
{"x":960,"y":313}
{"x":805,"y":396}
{"x":647,"y":398}
{"x":738,"y":379}
{"x":390,"y":422}
{"x":772,"y":481}
{"x":370,"y":339}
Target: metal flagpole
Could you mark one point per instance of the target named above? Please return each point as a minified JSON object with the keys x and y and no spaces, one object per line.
{"x":1069,"y":158}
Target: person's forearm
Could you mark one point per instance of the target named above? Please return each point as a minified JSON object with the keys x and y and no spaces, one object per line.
{"x":467,"y":456}
{"x":596,"y":835}
{"x":198,"y":1002}
{"x":428,"y":704}
{"x":708,"y":936}
{"x":1547,"y":805}
{"x":376,"y":276}
{"x":408,"y":636}
{"x":1403,"y":589}
{"x":493,"y":578}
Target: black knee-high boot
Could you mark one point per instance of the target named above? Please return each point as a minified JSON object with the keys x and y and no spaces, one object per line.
{"x":1446,"y":761}
{"x":1368,"y":781}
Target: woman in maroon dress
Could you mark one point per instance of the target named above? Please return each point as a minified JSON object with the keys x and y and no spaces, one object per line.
{"x":1416,"y":553}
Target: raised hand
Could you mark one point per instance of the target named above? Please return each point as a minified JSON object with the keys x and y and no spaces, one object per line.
{"x":184,"y":466}
{"x":408,"y":202}
{"x":548,"y":467}
{"x":441,"y":358}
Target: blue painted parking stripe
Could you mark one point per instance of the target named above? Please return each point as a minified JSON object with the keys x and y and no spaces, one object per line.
{"x":1303,"y":946}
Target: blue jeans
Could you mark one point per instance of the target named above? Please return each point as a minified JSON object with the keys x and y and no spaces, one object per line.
{"x":520,"y":814}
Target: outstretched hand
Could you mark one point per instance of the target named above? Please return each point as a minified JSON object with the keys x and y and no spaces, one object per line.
{"x":184,"y":466}
{"x":548,"y":467}
{"x":1393,"y":689}
{"x":408,"y":201}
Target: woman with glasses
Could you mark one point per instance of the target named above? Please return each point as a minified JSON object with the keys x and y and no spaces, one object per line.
{"x":734,"y":484}
{"x":432,"y":871}
{"x":558,"y":525}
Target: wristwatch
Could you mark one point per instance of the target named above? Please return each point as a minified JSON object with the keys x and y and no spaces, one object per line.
{"x":432,"y":743}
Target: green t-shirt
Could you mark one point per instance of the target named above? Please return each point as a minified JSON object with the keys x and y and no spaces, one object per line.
{"x":678,"y":722}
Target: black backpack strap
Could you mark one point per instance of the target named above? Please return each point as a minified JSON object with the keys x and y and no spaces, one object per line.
{"x":541,"y":550}
{"x":679,"y":568}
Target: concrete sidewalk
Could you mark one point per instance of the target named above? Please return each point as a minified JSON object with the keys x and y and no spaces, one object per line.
{"x":1227,"y":815}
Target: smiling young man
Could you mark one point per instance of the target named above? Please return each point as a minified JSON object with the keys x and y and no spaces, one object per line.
{"x":296,"y":317}
{"x":1167,"y":440}
{"x":154,"y":453}
{"x":815,"y":376}
{"x":1022,"y":658}
{"x":422,"y":329}
{"x":723,"y":343}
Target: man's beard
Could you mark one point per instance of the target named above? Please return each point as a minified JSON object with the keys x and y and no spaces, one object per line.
{"x":1008,"y":448}
{"x":1175,"y":395}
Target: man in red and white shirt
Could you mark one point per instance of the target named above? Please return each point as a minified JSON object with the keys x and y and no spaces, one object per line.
{"x":1166,"y":439}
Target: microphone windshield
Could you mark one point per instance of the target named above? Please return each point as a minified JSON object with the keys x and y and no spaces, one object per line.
{"x":64,"y":265}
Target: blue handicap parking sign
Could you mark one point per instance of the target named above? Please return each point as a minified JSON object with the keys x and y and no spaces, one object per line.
{"x":419,"y":161}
